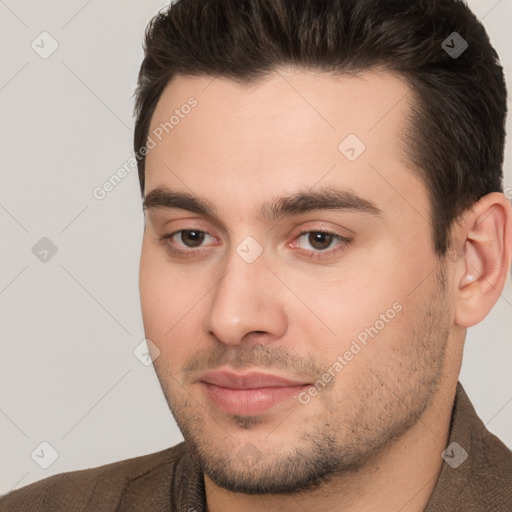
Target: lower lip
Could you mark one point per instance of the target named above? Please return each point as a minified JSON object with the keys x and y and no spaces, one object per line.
{"x":249,"y":401}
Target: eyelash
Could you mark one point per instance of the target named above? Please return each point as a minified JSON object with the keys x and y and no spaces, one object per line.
{"x":310,"y":254}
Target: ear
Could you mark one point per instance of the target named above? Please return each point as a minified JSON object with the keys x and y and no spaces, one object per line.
{"x":485,"y":258}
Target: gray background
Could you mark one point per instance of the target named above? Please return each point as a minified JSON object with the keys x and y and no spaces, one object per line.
{"x":69,"y":325}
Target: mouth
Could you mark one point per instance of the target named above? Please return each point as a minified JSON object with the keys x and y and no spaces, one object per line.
{"x":249,"y":393}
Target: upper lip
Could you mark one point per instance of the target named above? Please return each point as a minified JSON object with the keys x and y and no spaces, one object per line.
{"x":248,"y":380}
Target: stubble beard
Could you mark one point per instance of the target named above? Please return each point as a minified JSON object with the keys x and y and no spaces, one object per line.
{"x":386,"y":402}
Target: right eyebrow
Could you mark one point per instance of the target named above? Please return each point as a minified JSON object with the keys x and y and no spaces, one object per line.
{"x":162,"y":197}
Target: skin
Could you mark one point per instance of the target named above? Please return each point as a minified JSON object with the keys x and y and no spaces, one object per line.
{"x":372,"y":439}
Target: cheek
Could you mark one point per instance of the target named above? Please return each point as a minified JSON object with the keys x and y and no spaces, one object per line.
{"x":163,"y":297}
{"x":347,"y":303}
{"x":152,"y":292}
{"x":171,"y":308}
{"x":369,"y":314}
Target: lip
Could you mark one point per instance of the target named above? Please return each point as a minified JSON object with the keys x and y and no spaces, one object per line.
{"x":248,"y":393}
{"x":248,"y":380}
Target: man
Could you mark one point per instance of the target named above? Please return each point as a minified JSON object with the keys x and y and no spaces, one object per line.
{"x":324,"y":215}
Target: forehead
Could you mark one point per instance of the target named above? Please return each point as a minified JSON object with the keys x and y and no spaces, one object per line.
{"x":290,"y":131}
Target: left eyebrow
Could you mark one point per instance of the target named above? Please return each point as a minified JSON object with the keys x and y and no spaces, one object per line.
{"x":295,"y":204}
{"x":322,"y":199}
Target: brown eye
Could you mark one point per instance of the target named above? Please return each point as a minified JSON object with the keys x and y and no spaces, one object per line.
{"x":320,"y":240}
{"x":320,"y":243}
{"x":186,"y":242}
{"x":192,"y":238}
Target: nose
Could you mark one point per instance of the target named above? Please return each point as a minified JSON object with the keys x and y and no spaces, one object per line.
{"x":246,"y":303}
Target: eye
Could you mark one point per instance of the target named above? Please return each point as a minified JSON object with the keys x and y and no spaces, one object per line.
{"x":190,"y":239}
{"x":184,"y":241}
{"x":321,"y":241}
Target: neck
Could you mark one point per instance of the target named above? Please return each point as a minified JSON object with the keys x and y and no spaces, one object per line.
{"x":402,"y":476}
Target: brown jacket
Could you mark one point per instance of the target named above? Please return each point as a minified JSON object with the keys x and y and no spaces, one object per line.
{"x":169,"y":481}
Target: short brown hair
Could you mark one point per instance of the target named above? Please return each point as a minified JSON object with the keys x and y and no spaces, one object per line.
{"x":458,"y":131}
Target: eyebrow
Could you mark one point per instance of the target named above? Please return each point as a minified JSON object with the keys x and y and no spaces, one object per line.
{"x":295,"y":204}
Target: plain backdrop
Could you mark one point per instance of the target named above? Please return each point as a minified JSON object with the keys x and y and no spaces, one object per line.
{"x":69,"y":376}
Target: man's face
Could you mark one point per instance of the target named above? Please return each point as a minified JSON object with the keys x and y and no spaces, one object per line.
{"x":355,"y":320}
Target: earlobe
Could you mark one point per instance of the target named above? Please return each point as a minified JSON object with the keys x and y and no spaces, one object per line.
{"x":483,"y":268}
